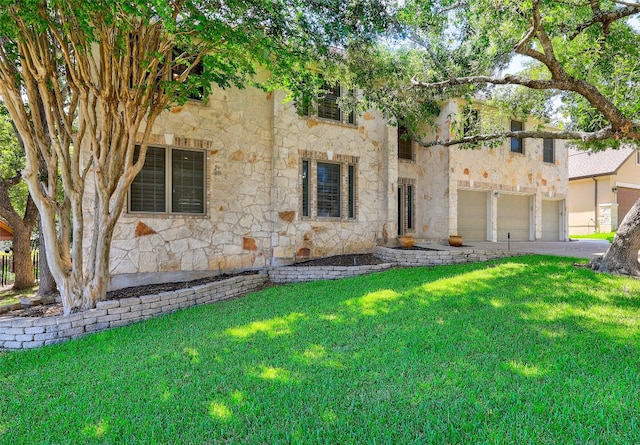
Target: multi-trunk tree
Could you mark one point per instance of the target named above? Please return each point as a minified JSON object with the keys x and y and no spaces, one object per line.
{"x":585,"y":53}
{"x":104,"y":71}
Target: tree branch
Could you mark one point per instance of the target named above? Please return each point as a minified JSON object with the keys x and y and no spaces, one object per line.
{"x":605,"y":133}
{"x":607,"y":17}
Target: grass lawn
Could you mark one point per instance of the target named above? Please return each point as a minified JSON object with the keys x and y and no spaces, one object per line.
{"x":525,"y":350}
{"x":603,"y":236}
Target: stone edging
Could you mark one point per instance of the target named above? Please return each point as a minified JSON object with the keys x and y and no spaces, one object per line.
{"x":410,"y":258}
{"x":298,"y":274}
{"x":33,"y":332}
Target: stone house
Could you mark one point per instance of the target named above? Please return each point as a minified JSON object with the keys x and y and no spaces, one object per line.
{"x":602,"y":188}
{"x":244,"y":181}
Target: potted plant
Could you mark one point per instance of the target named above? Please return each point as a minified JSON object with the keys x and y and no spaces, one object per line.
{"x":406,"y":241}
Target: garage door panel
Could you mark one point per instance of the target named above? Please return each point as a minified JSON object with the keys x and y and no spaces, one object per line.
{"x":550,"y":220}
{"x":627,"y":197}
{"x":472,"y":215}
{"x":514,"y":217}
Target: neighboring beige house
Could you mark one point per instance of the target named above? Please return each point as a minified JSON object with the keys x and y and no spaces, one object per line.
{"x":243,"y":182}
{"x":602,"y":188}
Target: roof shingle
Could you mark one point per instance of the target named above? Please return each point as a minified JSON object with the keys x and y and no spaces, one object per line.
{"x":584,"y":164}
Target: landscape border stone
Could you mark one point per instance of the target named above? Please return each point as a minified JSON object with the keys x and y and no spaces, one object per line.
{"x":32,"y":332}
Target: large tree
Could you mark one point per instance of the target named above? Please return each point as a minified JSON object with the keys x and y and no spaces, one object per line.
{"x":587,"y":53}
{"x":103,"y":72}
{"x":16,"y":205}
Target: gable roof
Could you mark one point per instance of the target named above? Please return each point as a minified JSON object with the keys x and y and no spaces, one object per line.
{"x":585,"y":164}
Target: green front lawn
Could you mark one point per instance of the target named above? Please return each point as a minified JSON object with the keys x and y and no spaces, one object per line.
{"x":526,"y":350}
{"x":603,"y":236}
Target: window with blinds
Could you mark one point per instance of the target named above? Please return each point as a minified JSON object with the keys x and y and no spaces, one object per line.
{"x":148,"y":190}
{"x":326,"y":105}
{"x":328,"y":193}
{"x":171,"y":181}
{"x":328,"y":189}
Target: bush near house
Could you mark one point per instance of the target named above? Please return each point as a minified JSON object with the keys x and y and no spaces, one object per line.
{"x":523,"y":350}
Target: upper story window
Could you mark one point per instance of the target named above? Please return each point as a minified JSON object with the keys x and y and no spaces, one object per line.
{"x":405,"y":144}
{"x":471,"y":122}
{"x":549,"y":151}
{"x":326,"y":106}
{"x":194,"y":92}
{"x":171,"y":181}
{"x":517,"y":144}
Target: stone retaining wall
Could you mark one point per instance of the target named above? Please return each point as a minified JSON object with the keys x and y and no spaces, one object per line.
{"x":32,"y":332}
{"x":298,"y":274}
{"x":439,"y":257}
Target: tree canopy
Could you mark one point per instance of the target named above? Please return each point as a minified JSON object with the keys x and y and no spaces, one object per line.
{"x":584,"y":52}
{"x":85,"y":81}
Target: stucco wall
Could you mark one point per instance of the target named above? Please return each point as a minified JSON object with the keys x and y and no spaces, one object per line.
{"x":611,"y":207}
{"x":583,"y":218}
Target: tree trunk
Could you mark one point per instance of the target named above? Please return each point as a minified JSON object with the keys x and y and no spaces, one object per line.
{"x":46,"y":285}
{"x":22,"y":265}
{"x":622,"y":255}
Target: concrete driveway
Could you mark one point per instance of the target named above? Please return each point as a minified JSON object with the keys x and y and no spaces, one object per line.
{"x":576,"y":248}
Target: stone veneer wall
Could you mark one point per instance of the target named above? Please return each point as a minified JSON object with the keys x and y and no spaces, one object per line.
{"x":33,"y":332}
{"x":439,"y":257}
{"x":298,"y":274}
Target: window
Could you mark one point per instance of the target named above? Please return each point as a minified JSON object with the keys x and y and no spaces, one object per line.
{"x":352,"y":191}
{"x":638,"y":157}
{"x":326,"y":105}
{"x":405,"y":144}
{"x":171,"y":181}
{"x":305,"y":188}
{"x":517,"y":144}
{"x":548,"y":151}
{"x":329,"y":189}
{"x":195,"y":92}
{"x":406,"y":206}
{"x":471,"y":122}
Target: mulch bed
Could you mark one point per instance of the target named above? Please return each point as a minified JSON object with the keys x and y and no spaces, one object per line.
{"x":366,"y":259}
{"x":50,"y":310}
{"x":416,"y":248}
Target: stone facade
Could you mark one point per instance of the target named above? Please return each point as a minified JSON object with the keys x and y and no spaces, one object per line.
{"x":494,"y":174}
{"x":256,"y":148}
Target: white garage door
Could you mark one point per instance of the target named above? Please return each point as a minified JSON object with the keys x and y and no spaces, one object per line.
{"x":514,"y":217}
{"x":472,"y":215}
{"x":550,"y":220}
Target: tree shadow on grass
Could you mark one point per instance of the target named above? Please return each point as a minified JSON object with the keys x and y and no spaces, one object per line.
{"x":529,"y":349}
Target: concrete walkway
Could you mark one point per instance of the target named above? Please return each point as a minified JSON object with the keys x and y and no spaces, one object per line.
{"x":577,"y":248}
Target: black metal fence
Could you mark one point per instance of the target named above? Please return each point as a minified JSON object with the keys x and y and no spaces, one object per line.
{"x":7,"y":273}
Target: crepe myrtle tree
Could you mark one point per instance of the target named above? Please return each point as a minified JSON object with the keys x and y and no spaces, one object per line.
{"x":103,"y":72}
{"x":585,"y":53}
